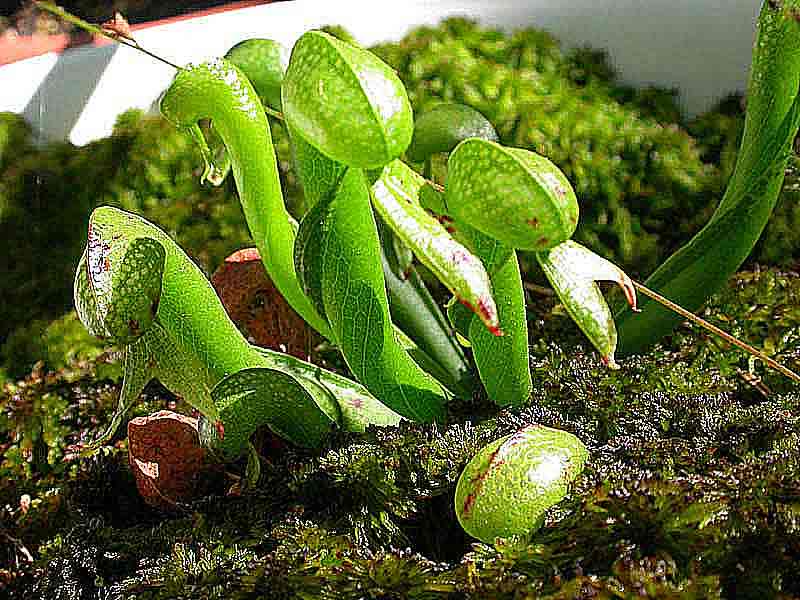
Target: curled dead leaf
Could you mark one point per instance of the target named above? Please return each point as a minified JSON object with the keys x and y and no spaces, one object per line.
{"x":257,"y":307}
{"x":167,"y":460}
{"x":118,"y":26}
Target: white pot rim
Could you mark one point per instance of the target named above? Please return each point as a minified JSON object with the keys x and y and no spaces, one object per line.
{"x":699,"y":47}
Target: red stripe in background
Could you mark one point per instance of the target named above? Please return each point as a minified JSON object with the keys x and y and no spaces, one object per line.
{"x":15,"y":47}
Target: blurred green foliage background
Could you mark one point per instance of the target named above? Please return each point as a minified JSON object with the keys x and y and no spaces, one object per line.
{"x":646,"y":178}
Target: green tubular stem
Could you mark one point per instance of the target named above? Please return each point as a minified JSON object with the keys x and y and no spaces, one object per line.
{"x":415,"y":311}
{"x":217,"y":90}
{"x":412,"y":307}
{"x":701,"y":267}
{"x":318,"y":173}
{"x":503,"y":361}
{"x":344,"y":276}
{"x":773,"y":86}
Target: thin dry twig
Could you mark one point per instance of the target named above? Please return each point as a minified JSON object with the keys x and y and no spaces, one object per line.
{"x":717,"y":331}
{"x":112,"y":30}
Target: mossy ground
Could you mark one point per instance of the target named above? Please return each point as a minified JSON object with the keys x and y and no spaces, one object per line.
{"x":693,"y":485}
{"x":691,"y":490}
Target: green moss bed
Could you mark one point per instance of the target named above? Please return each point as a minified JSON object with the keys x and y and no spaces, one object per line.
{"x":692,"y":489}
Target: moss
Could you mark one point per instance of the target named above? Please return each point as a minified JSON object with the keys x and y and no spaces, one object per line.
{"x":14,"y":140}
{"x":57,"y":343}
{"x":689,"y":490}
{"x":40,"y":198}
{"x":760,"y":308}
